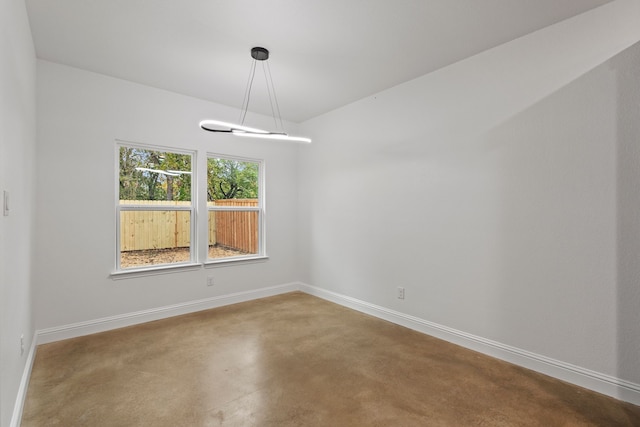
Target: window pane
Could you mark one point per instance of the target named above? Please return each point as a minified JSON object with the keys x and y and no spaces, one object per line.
{"x":231,"y":179}
{"x":233,"y":184}
{"x":233,"y":233}
{"x":154,"y":175}
{"x":154,"y":237}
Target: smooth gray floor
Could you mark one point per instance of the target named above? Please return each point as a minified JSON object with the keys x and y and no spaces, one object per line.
{"x":294,"y":360}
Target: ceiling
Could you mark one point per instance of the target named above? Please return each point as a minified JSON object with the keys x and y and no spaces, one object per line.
{"x":324,"y":53}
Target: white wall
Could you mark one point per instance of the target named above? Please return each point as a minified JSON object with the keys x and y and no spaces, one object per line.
{"x":17,"y":142}
{"x":80,"y":115}
{"x":492,"y":190}
{"x":626,"y":68}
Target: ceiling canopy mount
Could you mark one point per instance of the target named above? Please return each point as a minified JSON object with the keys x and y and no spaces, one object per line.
{"x":259,"y":53}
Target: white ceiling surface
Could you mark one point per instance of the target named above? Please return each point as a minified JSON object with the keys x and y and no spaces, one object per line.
{"x":324,"y":53}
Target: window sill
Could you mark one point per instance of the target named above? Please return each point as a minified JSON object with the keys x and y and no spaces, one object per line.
{"x":165,"y":269}
{"x":227,"y":262}
{"x":153,"y":271}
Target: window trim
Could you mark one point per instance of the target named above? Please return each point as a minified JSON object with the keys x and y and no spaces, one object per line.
{"x":154,"y":270}
{"x":118,"y":271}
{"x":227,"y":262}
{"x":261,"y":209}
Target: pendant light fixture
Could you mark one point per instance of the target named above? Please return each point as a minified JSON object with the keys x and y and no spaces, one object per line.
{"x":258,"y":54}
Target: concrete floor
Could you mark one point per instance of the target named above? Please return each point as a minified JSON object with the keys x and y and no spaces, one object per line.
{"x":294,"y":360}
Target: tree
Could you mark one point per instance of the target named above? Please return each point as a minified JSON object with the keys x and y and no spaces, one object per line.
{"x":177,"y":187}
{"x":231,"y":179}
{"x":128,"y":181}
{"x":154,"y":175}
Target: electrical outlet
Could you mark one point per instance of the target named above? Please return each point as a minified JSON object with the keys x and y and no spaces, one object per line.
{"x":400,"y":293}
{"x":21,"y":344}
{"x":210,"y":281}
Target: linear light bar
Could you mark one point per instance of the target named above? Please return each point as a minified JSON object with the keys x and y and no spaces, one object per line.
{"x":279,"y":136}
{"x":219,"y":126}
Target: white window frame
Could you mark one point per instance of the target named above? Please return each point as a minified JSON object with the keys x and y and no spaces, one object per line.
{"x":142,"y":270}
{"x":260,"y":209}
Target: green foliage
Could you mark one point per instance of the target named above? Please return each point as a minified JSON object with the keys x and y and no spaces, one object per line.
{"x":231,"y":179}
{"x":154,"y":175}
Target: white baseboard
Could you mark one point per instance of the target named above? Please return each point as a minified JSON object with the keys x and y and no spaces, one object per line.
{"x":16,"y":418}
{"x":601,"y":383}
{"x":58,"y":333}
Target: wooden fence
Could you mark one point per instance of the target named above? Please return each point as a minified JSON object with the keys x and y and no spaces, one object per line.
{"x":140,"y":230}
{"x":236,"y":229}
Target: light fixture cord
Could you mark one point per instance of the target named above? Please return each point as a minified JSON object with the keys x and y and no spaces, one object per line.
{"x":247,"y":92}
{"x":275,"y":98}
{"x":266,"y":80}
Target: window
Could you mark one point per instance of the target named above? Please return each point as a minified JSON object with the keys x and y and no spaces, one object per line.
{"x":235,"y":207}
{"x":154,"y":211}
